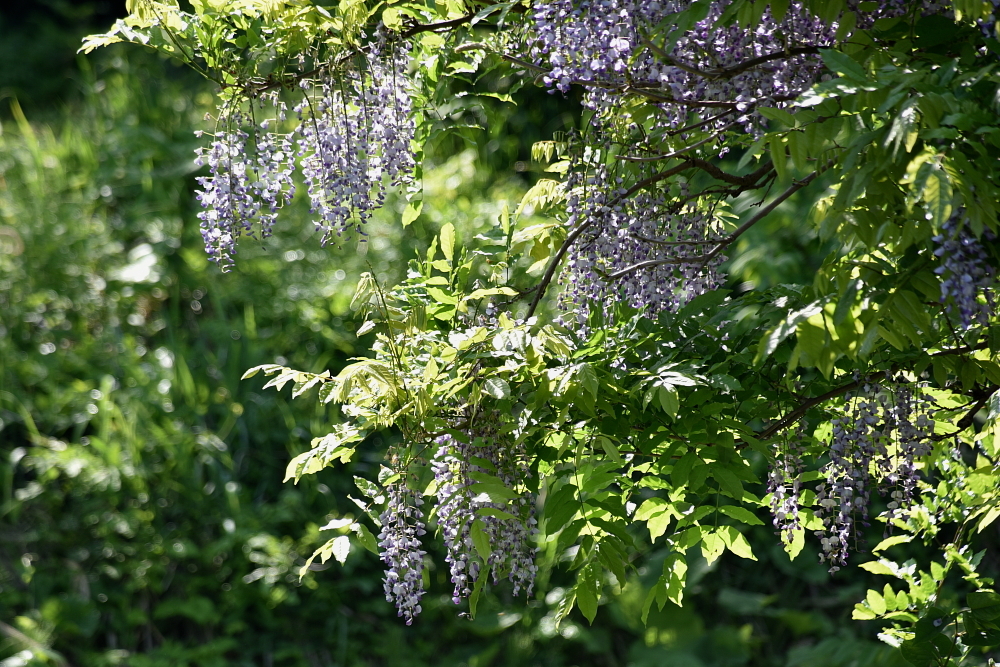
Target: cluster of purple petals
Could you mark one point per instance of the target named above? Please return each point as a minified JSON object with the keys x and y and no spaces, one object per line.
{"x":639,"y":250}
{"x":965,"y":272}
{"x":909,"y":417}
{"x":783,"y":483}
{"x":246,"y":186}
{"x":400,"y":549}
{"x":353,"y":137}
{"x":458,"y":506}
{"x":874,"y":445}
{"x":599,"y":44}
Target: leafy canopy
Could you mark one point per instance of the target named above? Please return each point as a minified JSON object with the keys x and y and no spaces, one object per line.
{"x":583,"y":380}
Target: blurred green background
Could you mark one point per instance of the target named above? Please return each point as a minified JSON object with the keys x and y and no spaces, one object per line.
{"x":142,"y":516}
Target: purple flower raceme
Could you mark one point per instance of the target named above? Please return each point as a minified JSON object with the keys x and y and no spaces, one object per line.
{"x":400,"y":547}
{"x":250,"y":179}
{"x":966,"y":272}
{"x":642,"y":250}
{"x":354,"y":139}
{"x":508,"y":524}
{"x":874,"y":445}
{"x":784,"y":485}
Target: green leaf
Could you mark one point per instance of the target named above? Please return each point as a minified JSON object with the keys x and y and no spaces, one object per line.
{"x":875,"y":602}
{"x":650,"y":507}
{"x":843,"y":64}
{"x":984,"y":605}
{"x":367,"y":487}
{"x":658,"y":524}
{"x":480,"y":540}
{"x":741,"y":514}
{"x":988,"y":518}
{"x":492,"y":511}
{"x":918,"y":653}
{"x":559,"y":508}
{"x":447,"y":237}
{"x":341,"y":547}
{"x":738,"y":544}
{"x":412,"y":212}
{"x":863,"y":613}
{"x":892,"y":541}
{"x":712,"y":546}
{"x":769,"y":343}
{"x":586,"y":598}
{"x":728,"y":482}
{"x":778,"y":9}
{"x":669,"y":400}
{"x":937,"y":196}
{"x":477,"y":590}
{"x":609,"y":448}
{"x":497,"y":388}
{"x":366,"y":538}
{"x":675,"y":569}
{"x":798,"y":542}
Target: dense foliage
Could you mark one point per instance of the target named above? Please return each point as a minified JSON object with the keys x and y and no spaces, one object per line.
{"x":635,"y":422}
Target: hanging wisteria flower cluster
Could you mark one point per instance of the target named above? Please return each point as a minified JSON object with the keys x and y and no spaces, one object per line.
{"x":469,"y":472}
{"x":784,"y":484}
{"x":400,"y":548}
{"x":715,"y":72}
{"x":462,"y":506}
{"x":874,"y":446}
{"x":645,"y":250}
{"x":247,"y":185}
{"x":354,"y":140}
{"x":966,"y":272}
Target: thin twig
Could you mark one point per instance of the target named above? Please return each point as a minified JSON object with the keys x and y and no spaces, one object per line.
{"x":705,"y":259}
{"x":550,"y":270}
{"x":681,"y":151}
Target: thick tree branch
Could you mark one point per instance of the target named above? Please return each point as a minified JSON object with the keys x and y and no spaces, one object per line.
{"x":418,"y":28}
{"x":679,"y":152}
{"x":799,"y":412}
{"x":760,"y":60}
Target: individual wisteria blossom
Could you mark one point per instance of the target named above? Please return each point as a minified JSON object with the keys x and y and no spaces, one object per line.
{"x":966,"y":272}
{"x":874,"y":446}
{"x":401,"y":550}
{"x":508,"y":525}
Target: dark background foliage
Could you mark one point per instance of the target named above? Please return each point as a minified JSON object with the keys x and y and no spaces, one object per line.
{"x":143,"y":520}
